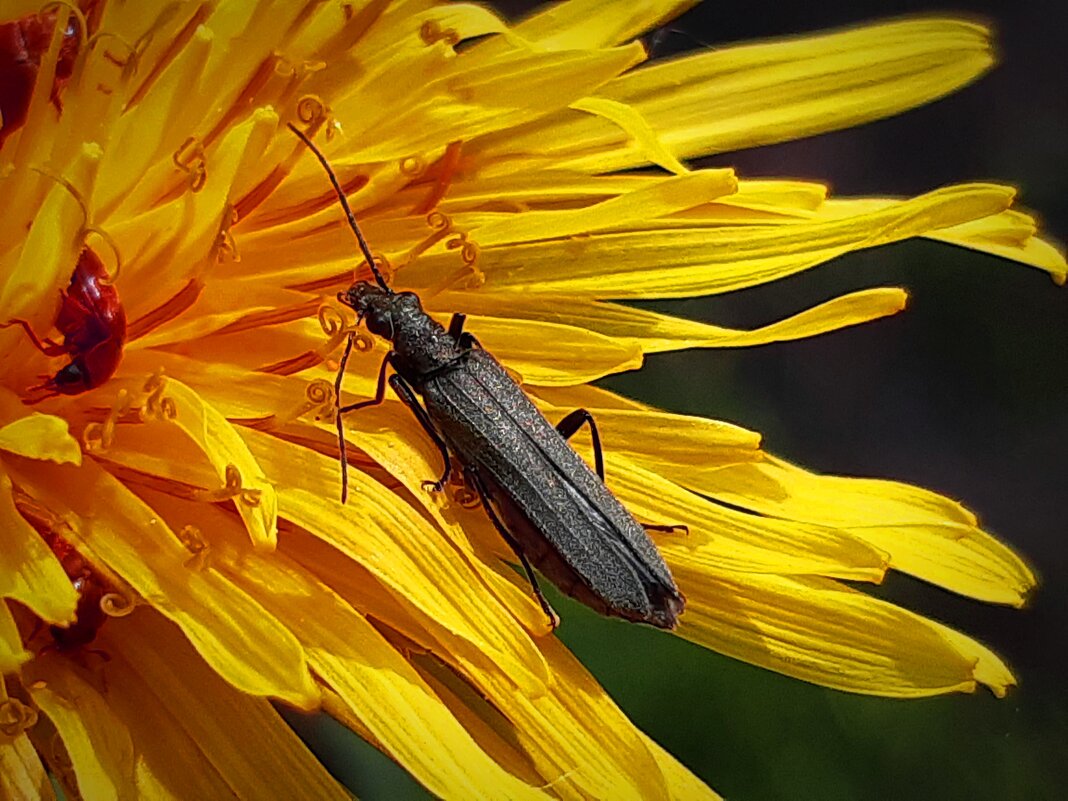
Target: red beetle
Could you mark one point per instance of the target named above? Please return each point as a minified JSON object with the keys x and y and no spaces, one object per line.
{"x":92,"y":588}
{"x":89,"y":613}
{"x":93,"y":323}
{"x":22,"y":44}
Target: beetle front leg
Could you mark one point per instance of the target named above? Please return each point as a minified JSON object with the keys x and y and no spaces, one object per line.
{"x":380,"y":395}
{"x":46,"y":346}
{"x":407,"y":395}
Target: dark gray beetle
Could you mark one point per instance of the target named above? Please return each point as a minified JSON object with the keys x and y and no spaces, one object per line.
{"x":555,"y":513}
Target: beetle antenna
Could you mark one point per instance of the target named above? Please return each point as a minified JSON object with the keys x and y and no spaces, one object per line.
{"x":345,"y":205}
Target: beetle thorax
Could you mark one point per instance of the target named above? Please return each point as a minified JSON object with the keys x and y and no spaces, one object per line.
{"x":421,"y":344}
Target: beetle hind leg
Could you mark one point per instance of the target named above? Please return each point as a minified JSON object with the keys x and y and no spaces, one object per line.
{"x":483,"y":492}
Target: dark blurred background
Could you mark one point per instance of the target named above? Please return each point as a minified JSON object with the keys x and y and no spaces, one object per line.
{"x":964,"y":393}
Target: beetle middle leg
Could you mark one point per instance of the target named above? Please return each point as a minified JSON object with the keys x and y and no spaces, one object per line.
{"x":572,"y":423}
{"x":407,"y":395}
{"x":463,"y":338}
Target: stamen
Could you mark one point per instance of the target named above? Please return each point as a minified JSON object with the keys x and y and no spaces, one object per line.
{"x":56,"y":5}
{"x":224,"y":240}
{"x":412,"y":166}
{"x":363,"y":343}
{"x":469,"y":252}
{"x":100,"y":436}
{"x":88,"y":227}
{"x":320,"y":399}
{"x":447,"y":168}
{"x":157,"y":405}
{"x":285,"y":68}
{"x":314,"y":113}
{"x":231,"y":491}
{"x":117,"y":604}
{"x":431,"y":32}
{"x":469,"y":274}
{"x":385,"y":267}
{"x":99,"y":35}
{"x":195,"y":543}
{"x":74,"y":193}
{"x":16,"y":717}
{"x":466,"y":497}
{"x":441,"y":227}
{"x":190,"y":159}
{"x":111,"y":277}
{"x":333,"y":323}
{"x":320,"y":394}
{"x":176,"y":44}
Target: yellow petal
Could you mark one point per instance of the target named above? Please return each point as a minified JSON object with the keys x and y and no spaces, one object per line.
{"x":185,"y":233}
{"x":16,"y":9}
{"x":222,"y":445}
{"x":720,"y":537}
{"x":770,"y":92}
{"x":637,"y":127}
{"x":139,"y":140}
{"x":709,"y":260}
{"x":389,"y":537}
{"x":262,"y":758}
{"x":479,"y":97}
{"x":97,"y":742}
{"x":112,"y":527}
{"x":659,"y":439}
{"x":1009,"y":234}
{"x":924,"y":534}
{"x":548,"y":354}
{"x":30,"y":286}
{"x":682,"y":784}
{"x":12,"y":654}
{"x":661,"y":199}
{"x":22,"y":776}
{"x":41,"y":436}
{"x":828,"y":634}
{"x":597,"y":23}
{"x":576,"y":736}
{"x":658,"y":333}
{"x":384,"y":692}
{"x":216,"y":310}
{"x":589,"y":397}
{"x":29,"y":571}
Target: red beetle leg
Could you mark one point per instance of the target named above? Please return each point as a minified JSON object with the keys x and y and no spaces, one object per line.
{"x":46,"y":346}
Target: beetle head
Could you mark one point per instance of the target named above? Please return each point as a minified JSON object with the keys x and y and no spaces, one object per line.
{"x":384,"y":310}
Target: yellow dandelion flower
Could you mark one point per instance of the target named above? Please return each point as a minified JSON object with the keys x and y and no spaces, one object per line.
{"x":175,"y":554}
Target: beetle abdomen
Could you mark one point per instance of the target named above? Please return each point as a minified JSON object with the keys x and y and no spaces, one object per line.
{"x":562,"y":517}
